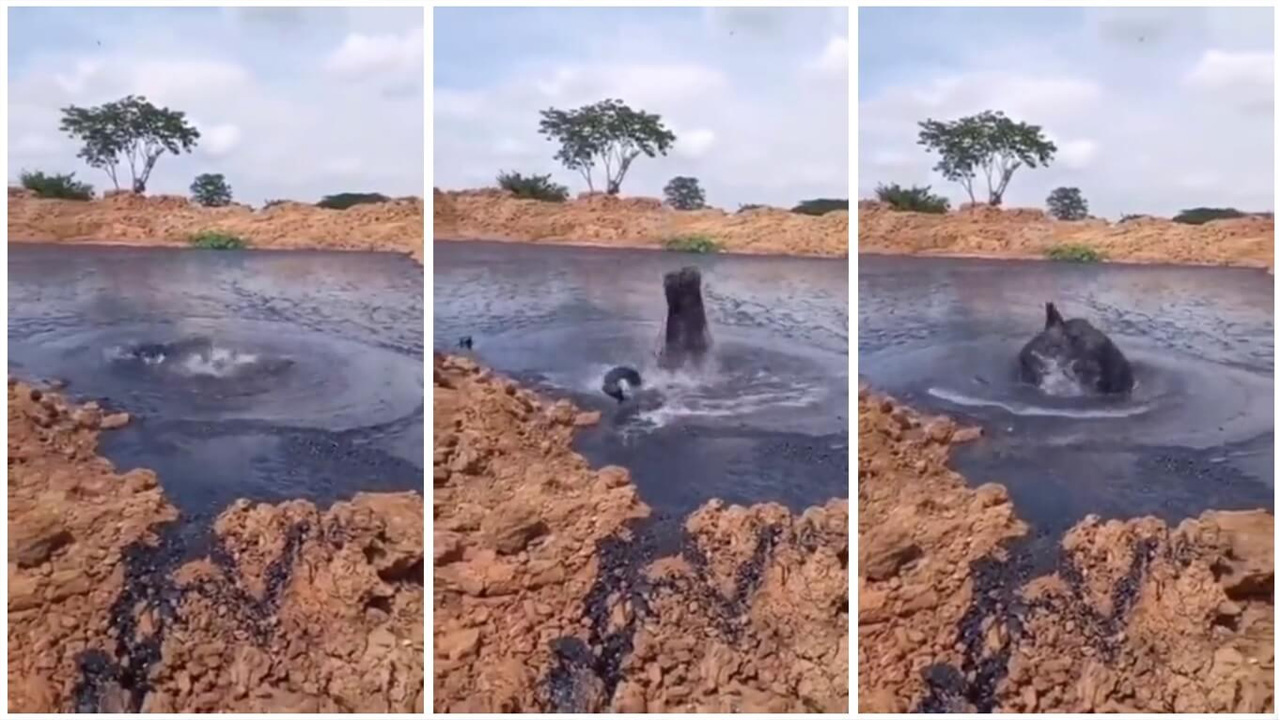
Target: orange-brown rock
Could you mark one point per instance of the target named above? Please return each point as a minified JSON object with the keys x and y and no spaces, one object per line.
{"x":321,"y":611}
{"x":599,"y":219}
{"x":1138,"y":617}
{"x":523,"y":605}
{"x":300,"y":610}
{"x":984,"y":231}
{"x":71,"y":516}
{"x":125,"y":218}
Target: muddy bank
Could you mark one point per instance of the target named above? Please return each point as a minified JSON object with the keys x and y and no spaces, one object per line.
{"x":288,"y":609}
{"x":598,"y":219}
{"x":983,"y":231}
{"x":1134,"y":617}
{"x":550,"y":594}
{"x":167,"y":220}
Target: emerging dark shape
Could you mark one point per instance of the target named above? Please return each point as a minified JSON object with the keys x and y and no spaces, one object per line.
{"x":619,"y":380}
{"x":1077,"y":351}
{"x":686,"y":336}
{"x":465,"y":342}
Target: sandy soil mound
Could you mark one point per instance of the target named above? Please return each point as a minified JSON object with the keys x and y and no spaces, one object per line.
{"x":126,"y":218}
{"x":293,"y":610}
{"x":547,"y":598}
{"x":1137,"y":617}
{"x":1020,"y":232}
{"x":598,"y":219}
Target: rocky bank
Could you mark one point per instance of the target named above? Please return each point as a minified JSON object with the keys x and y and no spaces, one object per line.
{"x":549,"y":595}
{"x":984,"y":231}
{"x":165,"y":220}
{"x":613,"y":221}
{"x":294,"y":609}
{"x":1136,"y":617}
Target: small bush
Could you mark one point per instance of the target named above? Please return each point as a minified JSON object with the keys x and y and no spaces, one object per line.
{"x":211,"y":190}
{"x":217,"y":240}
{"x":1202,"y":215}
{"x":342,"y":201}
{"x":1130,"y":217}
{"x":533,"y":187}
{"x":750,"y":206}
{"x":701,"y":244}
{"x":62,"y":187}
{"x":913,"y":199}
{"x":684,"y":193}
{"x":272,"y":203}
{"x":820,"y":206}
{"x":1066,"y":203}
{"x":1074,"y":253}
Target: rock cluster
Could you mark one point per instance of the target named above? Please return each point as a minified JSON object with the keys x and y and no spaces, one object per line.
{"x":1136,"y":617}
{"x":599,"y":219}
{"x":293,"y":610}
{"x":130,"y":219}
{"x":984,"y":231}
{"x":548,"y":598}
{"x":71,"y":518}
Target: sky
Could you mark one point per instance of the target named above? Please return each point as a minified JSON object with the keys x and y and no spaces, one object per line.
{"x":757,"y":97}
{"x":1153,"y":110}
{"x":291,"y":103}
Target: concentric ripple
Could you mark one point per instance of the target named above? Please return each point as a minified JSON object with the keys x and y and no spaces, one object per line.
{"x":231,"y":369}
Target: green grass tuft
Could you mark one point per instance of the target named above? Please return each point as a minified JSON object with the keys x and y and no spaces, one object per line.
{"x":216,"y":240}
{"x":1075,"y":253}
{"x":701,"y":244}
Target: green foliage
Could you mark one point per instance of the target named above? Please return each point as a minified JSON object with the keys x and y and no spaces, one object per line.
{"x":684,"y":193}
{"x":692,"y":243}
{"x":217,"y":240}
{"x":1074,"y":253}
{"x":1202,"y":215}
{"x":63,"y":187}
{"x":1066,"y":203}
{"x":131,"y":130}
{"x":342,"y":201}
{"x":608,"y":132}
{"x":989,"y":143}
{"x":1130,"y":217}
{"x":820,"y":206}
{"x":913,"y":199}
{"x":211,"y":190}
{"x":750,"y":206}
{"x":273,"y":202}
{"x":534,"y":187}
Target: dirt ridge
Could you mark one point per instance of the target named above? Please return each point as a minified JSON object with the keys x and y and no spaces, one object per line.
{"x":597,"y":219}
{"x":125,"y":218}
{"x":984,"y":231}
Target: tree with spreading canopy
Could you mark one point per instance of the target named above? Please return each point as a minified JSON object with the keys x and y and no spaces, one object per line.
{"x":608,"y":132}
{"x":211,"y":190}
{"x":1066,"y":203}
{"x":131,"y":128}
{"x":684,"y":193}
{"x":988,"y":142}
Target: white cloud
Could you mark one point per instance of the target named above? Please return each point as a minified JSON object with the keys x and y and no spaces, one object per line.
{"x":362,"y":54}
{"x":834,"y":58}
{"x":219,"y":140}
{"x":1077,"y":154}
{"x":1217,"y":69}
{"x":1243,"y":79}
{"x":695,"y":143}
